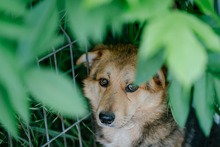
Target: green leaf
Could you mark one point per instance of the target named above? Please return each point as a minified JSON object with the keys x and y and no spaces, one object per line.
{"x":80,"y":17}
{"x":11,"y":79}
{"x":204,"y":32}
{"x":10,"y":29}
{"x":91,"y":24}
{"x":6,"y":44}
{"x":17,"y":7}
{"x":204,"y":102}
{"x":148,"y":67}
{"x":207,"y":6}
{"x":173,"y":32}
{"x":7,"y":114}
{"x":214,"y":62}
{"x":95,"y":3}
{"x":181,"y":55}
{"x":152,"y":38}
{"x":56,"y":92}
{"x":42,"y":24}
{"x":179,"y":98}
{"x":57,"y":40}
{"x":217,"y":89}
{"x":145,"y":9}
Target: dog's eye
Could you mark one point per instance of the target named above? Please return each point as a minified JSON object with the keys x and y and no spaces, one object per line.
{"x":131,"y":88}
{"x":103,"y":82}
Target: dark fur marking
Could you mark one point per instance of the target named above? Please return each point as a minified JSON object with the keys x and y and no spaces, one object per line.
{"x":101,"y":136}
{"x":157,"y":80}
{"x":148,"y":86}
{"x":99,"y":54}
{"x":94,"y":76}
{"x":109,"y":74}
{"x":150,"y":130}
{"x":129,"y":51}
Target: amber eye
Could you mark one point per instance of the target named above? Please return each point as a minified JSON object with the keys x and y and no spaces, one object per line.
{"x":131,"y":88}
{"x":103,"y":82}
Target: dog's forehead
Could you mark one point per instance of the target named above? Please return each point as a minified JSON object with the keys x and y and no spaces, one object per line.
{"x":118,"y":61}
{"x":127,"y":73}
{"x":113,"y":70}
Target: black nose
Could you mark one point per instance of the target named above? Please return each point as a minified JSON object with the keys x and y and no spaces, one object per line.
{"x":106,"y":117}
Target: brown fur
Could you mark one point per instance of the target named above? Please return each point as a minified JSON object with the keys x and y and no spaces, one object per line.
{"x":142,"y":118}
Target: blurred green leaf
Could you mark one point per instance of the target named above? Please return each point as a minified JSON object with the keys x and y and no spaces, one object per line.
{"x":204,"y":102}
{"x":140,"y":10}
{"x":79,"y":17}
{"x":207,"y":6}
{"x":217,"y":89}
{"x":95,"y":3}
{"x":148,"y":67}
{"x":10,"y":29}
{"x":90,"y":24}
{"x":173,"y":32}
{"x":11,"y":79}
{"x":55,"y":41}
{"x":16,"y":7}
{"x":214,"y":62}
{"x":181,"y":57}
{"x":133,"y":2}
{"x":7,"y":114}
{"x":204,"y":32}
{"x":8,"y":45}
{"x":56,"y":92}
{"x":152,"y":37}
{"x":41,"y":24}
{"x":49,"y":33}
{"x":179,"y":98}
{"x":211,"y":22}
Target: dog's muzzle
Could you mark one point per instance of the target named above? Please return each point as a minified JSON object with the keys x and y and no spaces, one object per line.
{"x":106,"y":118}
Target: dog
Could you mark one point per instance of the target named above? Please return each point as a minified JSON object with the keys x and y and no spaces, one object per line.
{"x":125,"y":114}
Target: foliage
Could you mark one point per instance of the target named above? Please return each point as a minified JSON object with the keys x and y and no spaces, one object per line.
{"x":185,"y":40}
{"x":25,"y":34}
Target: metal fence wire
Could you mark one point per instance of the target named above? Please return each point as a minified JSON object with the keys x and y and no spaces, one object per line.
{"x":47,"y":129}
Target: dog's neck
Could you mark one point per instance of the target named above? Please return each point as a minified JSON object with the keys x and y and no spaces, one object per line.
{"x":155,"y":130}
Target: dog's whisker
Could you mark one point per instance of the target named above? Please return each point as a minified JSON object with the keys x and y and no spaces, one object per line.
{"x":123,"y":121}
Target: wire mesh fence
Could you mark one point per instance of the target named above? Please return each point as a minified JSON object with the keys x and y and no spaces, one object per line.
{"x":46,"y":128}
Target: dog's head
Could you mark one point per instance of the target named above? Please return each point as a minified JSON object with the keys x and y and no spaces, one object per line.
{"x":110,"y":88}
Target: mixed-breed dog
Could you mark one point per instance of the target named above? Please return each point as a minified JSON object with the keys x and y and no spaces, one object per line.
{"x":129,"y":115}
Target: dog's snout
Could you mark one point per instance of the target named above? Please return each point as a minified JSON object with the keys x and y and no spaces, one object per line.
{"x":106,"y":117}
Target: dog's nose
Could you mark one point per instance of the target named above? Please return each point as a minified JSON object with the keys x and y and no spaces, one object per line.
{"x":106,"y":117}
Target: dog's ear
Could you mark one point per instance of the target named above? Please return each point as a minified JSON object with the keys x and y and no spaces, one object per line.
{"x":90,"y":57}
{"x":159,"y":79}
{"x":158,"y":82}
